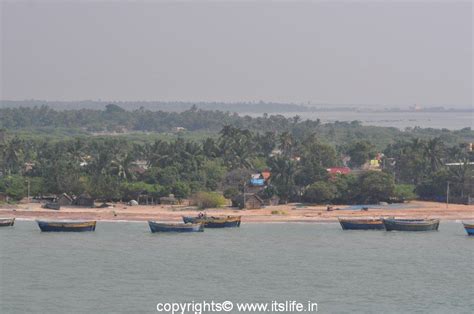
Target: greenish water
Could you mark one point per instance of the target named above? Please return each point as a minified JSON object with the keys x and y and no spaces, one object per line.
{"x":123,"y":268}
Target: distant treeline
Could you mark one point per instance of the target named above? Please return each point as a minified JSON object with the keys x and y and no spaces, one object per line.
{"x":114,"y":119}
{"x":173,"y":106}
{"x":238,"y":107}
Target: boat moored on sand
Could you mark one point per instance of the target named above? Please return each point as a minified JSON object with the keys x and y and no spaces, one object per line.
{"x":392,"y":224}
{"x":361,"y":223}
{"x":175,"y":227}
{"x":469,"y":227}
{"x":6,"y":222}
{"x":66,"y":225}
{"x":214,"y":222}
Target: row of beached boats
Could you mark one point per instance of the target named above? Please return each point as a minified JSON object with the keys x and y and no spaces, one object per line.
{"x":393,"y":224}
{"x":389,"y":224}
{"x":199,"y":223}
{"x":190,"y":224}
{"x":196,"y":224}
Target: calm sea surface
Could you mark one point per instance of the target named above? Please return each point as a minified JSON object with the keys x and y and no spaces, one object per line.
{"x":438,"y":120}
{"x":123,"y":268}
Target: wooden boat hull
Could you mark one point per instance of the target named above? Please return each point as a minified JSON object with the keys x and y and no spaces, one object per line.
{"x":411,"y":224}
{"x":179,"y":227}
{"x":469,"y":229}
{"x":7,"y":222}
{"x":214,"y":222}
{"x":66,"y":226}
{"x":54,"y":206}
{"x":361,"y":224}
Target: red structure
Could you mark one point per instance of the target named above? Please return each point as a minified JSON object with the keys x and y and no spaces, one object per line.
{"x":338,"y":170}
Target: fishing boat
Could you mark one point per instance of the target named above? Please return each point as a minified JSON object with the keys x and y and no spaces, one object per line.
{"x":469,"y":227}
{"x":66,"y":226}
{"x":214,"y":222}
{"x":174,"y":227}
{"x":52,"y":205}
{"x":392,"y":224}
{"x":361,"y":224}
{"x":6,"y":222}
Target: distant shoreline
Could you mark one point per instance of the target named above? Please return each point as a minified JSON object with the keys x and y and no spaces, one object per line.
{"x":241,"y":107}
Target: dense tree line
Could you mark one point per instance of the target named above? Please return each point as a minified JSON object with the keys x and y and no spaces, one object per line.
{"x":111,"y":168}
{"x":46,"y":122}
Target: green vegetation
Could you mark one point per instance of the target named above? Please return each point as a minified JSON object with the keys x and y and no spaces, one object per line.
{"x":205,"y":200}
{"x":320,"y":192}
{"x":14,"y":186}
{"x":405,"y":192}
{"x":279,"y":212}
{"x":360,"y":152}
{"x":142,"y":125}
{"x":219,"y":152}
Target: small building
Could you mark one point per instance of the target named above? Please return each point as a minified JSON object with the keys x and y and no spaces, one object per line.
{"x":65,"y":200}
{"x":250,"y":201}
{"x":137,"y":170}
{"x":169,"y":200}
{"x":3,"y":197}
{"x":145,"y":199}
{"x":84,"y":200}
{"x":338,"y":170}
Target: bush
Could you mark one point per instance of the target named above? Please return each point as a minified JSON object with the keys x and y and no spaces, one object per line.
{"x":347,"y":187}
{"x":180,"y":190}
{"x":36,"y":185}
{"x":14,"y":186}
{"x":268,"y":192}
{"x":404,"y":192}
{"x":434,"y":187}
{"x":131,"y":190}
{"x":231,"y":192}
{"x":320,"y":192}
{"x":375,"y":186}
{"x":208,"y":200}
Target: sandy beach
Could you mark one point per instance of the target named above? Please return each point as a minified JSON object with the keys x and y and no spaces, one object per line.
{"x":280,"y":213}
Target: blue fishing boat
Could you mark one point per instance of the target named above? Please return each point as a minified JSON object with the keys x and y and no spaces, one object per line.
{"x":174,"y":227}
{"x":6,"y":222}
{"x":214,"y":222}
{"x":66,"y":226}
{"x":469,"y":227}
{"x":392,"y":224}
{"x":361,"y":224}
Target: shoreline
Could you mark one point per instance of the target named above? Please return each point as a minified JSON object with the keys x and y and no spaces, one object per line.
{"x":288,"y":213}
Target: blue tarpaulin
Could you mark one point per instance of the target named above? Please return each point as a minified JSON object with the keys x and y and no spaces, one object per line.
{"x":257,"y":182}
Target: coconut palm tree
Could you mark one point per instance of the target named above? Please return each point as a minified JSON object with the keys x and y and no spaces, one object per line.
{"x":287,"y":144}
{"x":283,"y":176}
{"x":434,"y":151}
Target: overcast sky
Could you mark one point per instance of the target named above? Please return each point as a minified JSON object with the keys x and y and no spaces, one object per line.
{"x":333,"y":53}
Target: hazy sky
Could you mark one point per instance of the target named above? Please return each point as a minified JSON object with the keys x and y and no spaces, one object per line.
{"x":333,"y":53}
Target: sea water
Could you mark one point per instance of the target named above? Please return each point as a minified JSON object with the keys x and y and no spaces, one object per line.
{"x":452,"y":120}
{"x":123,"y":268}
